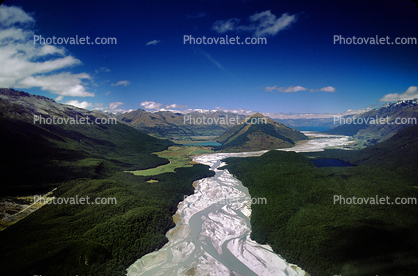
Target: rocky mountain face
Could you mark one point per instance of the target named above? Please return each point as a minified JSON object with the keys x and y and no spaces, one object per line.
{"x":379,"y":124}
{"x":44,"y":142}
{"x":24,"y":106}
{"x":258,"y":132}
{"x":167,"y":124}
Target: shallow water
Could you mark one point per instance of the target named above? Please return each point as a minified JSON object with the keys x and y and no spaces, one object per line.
{"x":212,"y":236}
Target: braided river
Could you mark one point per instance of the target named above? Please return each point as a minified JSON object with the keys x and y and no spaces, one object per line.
{"x":212,"y":232}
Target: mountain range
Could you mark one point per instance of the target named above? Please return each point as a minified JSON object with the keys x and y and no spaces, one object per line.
{"x":173,"y":125}
{"x":81,"y":159}
{"x":258,"y":132}
{"x":379,"y":124}
{"x":49,"y":152}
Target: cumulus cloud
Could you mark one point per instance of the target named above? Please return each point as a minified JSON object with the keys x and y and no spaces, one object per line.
{"x":175,"y":106}
{"x":25,"y":64}
{"x":151,"y":105}
{"x":329,"y":89}
{"x":76,"y":103}
{"x":63,"y":84}
{"x":12,"y":15}
{"x":289,"y":89}
{"x":153,"y":42}
{"x":124,"y":83}
{"x":240,"y":111}
{"x":409,"y":94}
{"x":260,"y":24}
{"x":115,"y":105}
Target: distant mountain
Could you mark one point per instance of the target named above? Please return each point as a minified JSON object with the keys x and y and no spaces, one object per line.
{"x":379,"y":124}
{"x":314,"y":122}
{"x":311,"y":119}
{"x":44,"y":142}
{"x":43,"y":148}
{"x":399,"y":153}
{"x":258,"y":132}
{"x":167,"y":124}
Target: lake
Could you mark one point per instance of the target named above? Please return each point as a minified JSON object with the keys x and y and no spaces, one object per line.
{"x":311,"y":128}
{"x":325,"y":162}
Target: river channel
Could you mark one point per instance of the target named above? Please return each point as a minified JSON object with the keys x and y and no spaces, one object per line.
{"x":212,"y":232}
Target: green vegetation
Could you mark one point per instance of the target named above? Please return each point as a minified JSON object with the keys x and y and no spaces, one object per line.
{"x":179,"y":157}
{"x":34,"y":157}
{"x":177,"y":126}
{"x":258,"y":133}
{"x":83,"y":161}
{"x":301,"y":222}
{"x":399,"y":154}
{"x":97,"y":239}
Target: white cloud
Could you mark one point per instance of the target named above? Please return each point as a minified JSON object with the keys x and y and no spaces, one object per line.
{"x":211,"y":59}
{"x":151,"y":105}
{"x":63,"y":84}
{"x":175,"y":106}
{"x":314,"y":115}
{"x":329,"y":89}
{"x":124,"y":83}
{"x":261,"y":24}
{"x":76,"y":103}
{"x":222,"y":26}
{"x":289,"y":89}
{"x":25,"y":64}
{"x":153,"y":42}
{"x":12,"y":15}
{"x":266,"y":23}
{"x":409,"y":94}
{"x":114,"y":105}
{"x":240,"y":111}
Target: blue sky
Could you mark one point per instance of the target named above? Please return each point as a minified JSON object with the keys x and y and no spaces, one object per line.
{"x":299,"y":70}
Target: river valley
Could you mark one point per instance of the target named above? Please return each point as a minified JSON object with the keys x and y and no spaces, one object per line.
{"x":212,"y":233}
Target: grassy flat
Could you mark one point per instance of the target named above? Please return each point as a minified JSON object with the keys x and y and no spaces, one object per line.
{"x":179,"y":156}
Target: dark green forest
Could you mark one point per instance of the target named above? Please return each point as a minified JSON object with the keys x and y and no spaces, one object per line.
{"x":301,"y":222}
{"x":97,"y":239}
{"x":84,"y":161}
{"x":35,"y":157}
